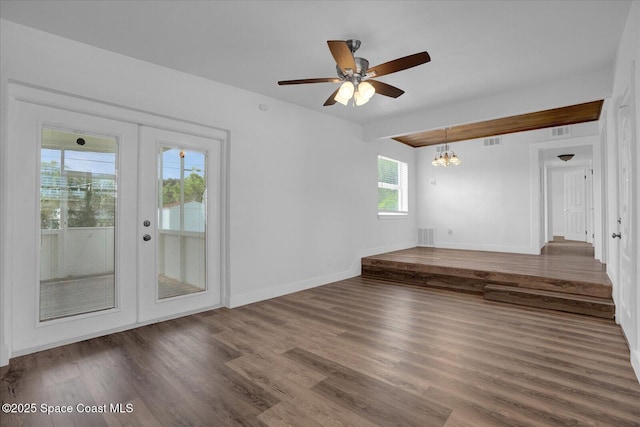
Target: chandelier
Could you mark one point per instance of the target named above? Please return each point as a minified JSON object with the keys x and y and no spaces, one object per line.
{"x":446,"y":157}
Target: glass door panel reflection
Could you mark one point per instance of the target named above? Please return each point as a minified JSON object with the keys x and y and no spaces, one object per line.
{"x":182,"y":195}
{"x":78,"y":197}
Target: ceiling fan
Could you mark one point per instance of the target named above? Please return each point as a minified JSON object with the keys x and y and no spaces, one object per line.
{"x":356,"y":76}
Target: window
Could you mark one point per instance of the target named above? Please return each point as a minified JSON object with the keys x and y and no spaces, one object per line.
{"x":392,"y":187}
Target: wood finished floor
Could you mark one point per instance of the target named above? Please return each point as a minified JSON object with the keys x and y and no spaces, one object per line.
{"x":353,"y":353}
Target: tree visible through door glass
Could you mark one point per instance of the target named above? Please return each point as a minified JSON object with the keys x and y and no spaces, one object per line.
{"x":78,"y":198}
{"x":182,"y":209}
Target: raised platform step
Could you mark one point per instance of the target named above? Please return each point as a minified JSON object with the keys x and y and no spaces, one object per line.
{"x":558,"y":279}
{"x":600,"y":307}
{"x":473,"y":280}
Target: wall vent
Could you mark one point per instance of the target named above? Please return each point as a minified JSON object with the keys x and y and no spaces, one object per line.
{"x":495,"y":140}
{"x":427,"y":237}
{"x":560,"y":131}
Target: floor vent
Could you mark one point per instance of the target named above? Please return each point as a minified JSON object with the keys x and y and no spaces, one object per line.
{"x":560,"y":131}
{"x":427,"y":237}
{"x":495,"y":140}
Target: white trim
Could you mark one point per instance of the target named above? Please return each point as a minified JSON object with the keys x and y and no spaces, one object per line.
{"x":289,"y":288}
{"x":15,"y":91}
{"x":22,"y":91}
{"x":635,"y":362}
{"x":55,"y":344}
{"x":489,"y":248}
{"x":393,"y":215}
{"x":402,"y":187}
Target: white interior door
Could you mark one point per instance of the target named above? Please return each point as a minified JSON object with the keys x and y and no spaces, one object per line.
{"x":179,"y":223}
{"x":626,"y":235}
{"x":575,"y":205}
{"x":73,"y":221}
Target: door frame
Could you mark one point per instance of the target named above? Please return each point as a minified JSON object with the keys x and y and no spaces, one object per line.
{"x":590,"y":207}
{"x":582,"y":171}
{"x":18,"y":91}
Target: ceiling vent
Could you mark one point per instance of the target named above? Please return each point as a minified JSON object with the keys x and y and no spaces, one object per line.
{"x":495,"y":140}
{"x":560,"y":131}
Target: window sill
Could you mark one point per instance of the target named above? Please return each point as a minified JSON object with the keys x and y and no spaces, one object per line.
{"x":393,"y":215}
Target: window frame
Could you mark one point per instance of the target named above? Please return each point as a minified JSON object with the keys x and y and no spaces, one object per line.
{"x":402,"y":187}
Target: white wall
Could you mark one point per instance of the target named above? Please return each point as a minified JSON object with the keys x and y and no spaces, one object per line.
{"x":500,"y":185}
{"x":628,"y":54}
{"x":302,"y":185}
{"x":483,"y":204}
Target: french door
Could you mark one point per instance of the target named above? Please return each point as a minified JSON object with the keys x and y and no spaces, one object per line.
{"x":114,"y":224}
{"x":179,"y":223}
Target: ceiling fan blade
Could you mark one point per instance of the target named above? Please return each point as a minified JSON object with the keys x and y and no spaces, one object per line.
{"x":399,"y":64}
{"x":331,"y":100}
{"x":304,"y":81}
{"x":385,"y":89}
{"x":342,"y":54}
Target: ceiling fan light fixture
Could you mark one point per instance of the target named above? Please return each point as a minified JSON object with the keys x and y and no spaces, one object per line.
{"x":353,"y":70}
{"x":359,"y":99}
{"x":366,"y":90}
{"x":342,"y":100}
{"x":346,"y":90}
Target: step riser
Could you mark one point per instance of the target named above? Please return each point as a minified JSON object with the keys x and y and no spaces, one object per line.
{"x":460,"y":284}
{"x":421,"y":274}
{"x":515,"y":293}
{"x":605,"y":309}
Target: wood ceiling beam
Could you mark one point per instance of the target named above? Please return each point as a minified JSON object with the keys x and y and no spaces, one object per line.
{"x":562,"y":116}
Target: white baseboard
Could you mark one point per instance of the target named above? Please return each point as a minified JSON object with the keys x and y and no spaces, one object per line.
{"x":489,"y":248}
{"x":385,"y":249}
{"x":4,"y":355}
{"x":289,"y":288}
{"x":635,"y":363}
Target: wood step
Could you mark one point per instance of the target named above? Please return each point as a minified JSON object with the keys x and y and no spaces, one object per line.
{"x":580,"y":304}
{"x":473,"y":279}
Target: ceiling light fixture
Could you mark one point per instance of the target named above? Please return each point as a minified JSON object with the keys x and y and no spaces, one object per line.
{"x":361,"y":92}
{"x":355,"y":76}
{"x":566,"y":157}
{"x":447,"y":157}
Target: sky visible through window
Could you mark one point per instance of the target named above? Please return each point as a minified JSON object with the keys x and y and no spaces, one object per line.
{"x":193,"y":162}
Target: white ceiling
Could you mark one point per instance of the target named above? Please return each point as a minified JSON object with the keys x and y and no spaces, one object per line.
{"x":583,"y":154}
{"x":477,"y":48}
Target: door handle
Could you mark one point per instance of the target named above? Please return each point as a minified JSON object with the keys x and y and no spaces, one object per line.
{"x":146,"y":237}
{"x":616,"y":235}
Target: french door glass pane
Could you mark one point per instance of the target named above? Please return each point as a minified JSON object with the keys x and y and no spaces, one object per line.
{"x":182,"y":206}
{"x":78,"y":197}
